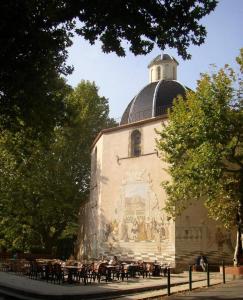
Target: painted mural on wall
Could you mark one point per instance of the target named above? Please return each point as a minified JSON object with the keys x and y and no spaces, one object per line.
{"x":138,"y":215}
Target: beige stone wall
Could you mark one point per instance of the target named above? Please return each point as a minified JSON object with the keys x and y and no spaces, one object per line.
{"x":196,"y":233}
{"x":90,"y":212}
{"x":133,"y":224}
{"x":125,"y":216}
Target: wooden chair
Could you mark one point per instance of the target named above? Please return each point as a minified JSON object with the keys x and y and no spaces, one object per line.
{"x":58,"y":274}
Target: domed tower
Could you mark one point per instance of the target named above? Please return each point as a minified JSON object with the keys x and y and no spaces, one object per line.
{"x":156,"y":97}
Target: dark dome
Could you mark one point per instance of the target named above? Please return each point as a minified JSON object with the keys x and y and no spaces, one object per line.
{"x":153,"y":100}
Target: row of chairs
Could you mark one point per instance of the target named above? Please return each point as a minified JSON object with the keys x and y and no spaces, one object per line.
{"x":49,"y":272}
{"x":102,"y":271}
{"x":84,"y":273}
{"x":96,"y":271}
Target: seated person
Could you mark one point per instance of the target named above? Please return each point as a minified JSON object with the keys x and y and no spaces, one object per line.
{"x":203,"y":262}
{"x":200,"y":263}
{"x":113,"y":261}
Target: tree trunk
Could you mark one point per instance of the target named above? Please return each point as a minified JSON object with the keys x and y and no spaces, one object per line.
{"x":238,"y":247}
{"x":51,"y":241}
{"x":238,"y":256}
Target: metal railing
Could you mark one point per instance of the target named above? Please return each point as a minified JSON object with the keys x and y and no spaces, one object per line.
{"x":190,"y":277}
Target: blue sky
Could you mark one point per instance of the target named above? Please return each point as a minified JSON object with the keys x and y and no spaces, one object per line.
{"x":120,"y":79}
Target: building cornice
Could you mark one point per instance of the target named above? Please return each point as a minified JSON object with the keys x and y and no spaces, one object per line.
{"x":130,"y":125}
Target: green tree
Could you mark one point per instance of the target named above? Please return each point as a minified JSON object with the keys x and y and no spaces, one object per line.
{"x":43,"y":186}
{"x":203,"y":145}
{"x":35,"y":35}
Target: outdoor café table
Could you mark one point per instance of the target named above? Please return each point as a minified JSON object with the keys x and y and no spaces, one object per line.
{"x":71,"y":271}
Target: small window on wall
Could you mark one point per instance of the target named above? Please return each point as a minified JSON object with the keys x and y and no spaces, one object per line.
{"x":158,"y":73}
{"x":136,"y":143}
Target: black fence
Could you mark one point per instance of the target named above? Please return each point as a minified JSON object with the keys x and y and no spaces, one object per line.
{"x":209,"y":269}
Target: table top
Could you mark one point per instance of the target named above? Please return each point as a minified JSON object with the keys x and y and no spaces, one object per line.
{"x":72,"y":267}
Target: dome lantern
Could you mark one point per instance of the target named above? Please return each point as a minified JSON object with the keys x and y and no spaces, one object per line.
{"x":163,"y":67}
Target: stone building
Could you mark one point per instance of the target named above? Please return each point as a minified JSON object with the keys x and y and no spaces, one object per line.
{"x":124,"y":215}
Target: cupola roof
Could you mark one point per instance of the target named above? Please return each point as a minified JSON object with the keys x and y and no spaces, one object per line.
{"x":153,"y":100}
{"x":156,"y":97}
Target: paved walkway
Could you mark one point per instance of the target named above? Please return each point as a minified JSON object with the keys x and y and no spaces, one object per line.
{"x":232,"y":290}
{"x":25,"y":288}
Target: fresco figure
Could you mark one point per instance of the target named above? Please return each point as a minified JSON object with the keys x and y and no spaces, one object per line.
{"x":162,"y":233}
{"x":142,"y":234}
{"x":124,"y":232}
{"x":134,"y":230}
{"x":149,"y":230}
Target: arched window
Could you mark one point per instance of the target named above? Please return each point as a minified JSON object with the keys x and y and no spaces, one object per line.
{"x":151,"y":78}
{"x":136,"y":143}
{"x":158,"y":73}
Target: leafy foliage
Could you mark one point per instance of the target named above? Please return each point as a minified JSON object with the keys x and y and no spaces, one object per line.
{"x":32,"y":56}
{"x":35,"y":35}
{"x":143,"y":24}
{"x":42,"y":184}
{"x":203,"y":145}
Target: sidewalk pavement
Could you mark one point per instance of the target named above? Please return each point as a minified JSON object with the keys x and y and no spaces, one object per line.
{"x":22,"y":287}
{"x":232,"y":290}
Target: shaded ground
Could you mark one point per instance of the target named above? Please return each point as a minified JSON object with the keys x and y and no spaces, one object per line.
{"x":138,"y":288}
